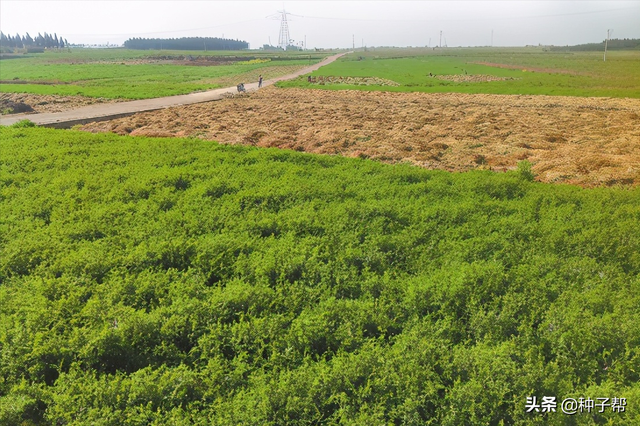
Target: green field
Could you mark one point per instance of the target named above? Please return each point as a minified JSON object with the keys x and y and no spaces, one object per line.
{"x":178,"y":281}
{"x":118,"y":73}
{"x":564,"y":73}
{"x":114,"y":73}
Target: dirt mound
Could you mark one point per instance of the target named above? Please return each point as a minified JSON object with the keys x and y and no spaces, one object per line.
{"x":8,"y":106}
{"x":355,"y":81}
{"x":49,"y":103}
{"x":44,"y":83}
{"x":585,"y":141}
{"x":528,"y":68}
{"x":464,"y":78}
{"x":198,"y":60}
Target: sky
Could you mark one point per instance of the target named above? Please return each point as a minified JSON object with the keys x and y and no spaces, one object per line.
{"x":329,"y":24}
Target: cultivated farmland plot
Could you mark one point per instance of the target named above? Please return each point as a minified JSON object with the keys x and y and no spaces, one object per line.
{"x":134,"y":75}
{"x":526,"y":71}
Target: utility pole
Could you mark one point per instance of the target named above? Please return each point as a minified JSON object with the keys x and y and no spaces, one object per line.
{"x":353,"y":39}
{"x":491,"y":38}
{"x":605,"y":45}
{"x":440,"y":38}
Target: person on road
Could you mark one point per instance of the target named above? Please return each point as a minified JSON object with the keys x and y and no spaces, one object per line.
{"x":260,"y":81}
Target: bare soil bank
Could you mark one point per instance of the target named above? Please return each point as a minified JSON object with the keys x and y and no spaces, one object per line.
{"x":48,"y":103}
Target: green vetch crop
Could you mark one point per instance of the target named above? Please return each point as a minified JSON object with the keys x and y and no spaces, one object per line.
{"x":155,"y":281}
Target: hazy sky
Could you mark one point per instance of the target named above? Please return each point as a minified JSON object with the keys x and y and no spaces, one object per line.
{"x":329,"y":23}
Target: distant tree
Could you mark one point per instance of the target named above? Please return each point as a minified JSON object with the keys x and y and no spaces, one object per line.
{"x":613,"y":44}
{"x":186,"y":43}
{"x":26,"y":41}
{"x":48,"y":41}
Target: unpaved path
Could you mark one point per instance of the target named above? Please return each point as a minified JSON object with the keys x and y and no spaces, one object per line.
{"x":95,"y":112}
{"x":584,"y":141}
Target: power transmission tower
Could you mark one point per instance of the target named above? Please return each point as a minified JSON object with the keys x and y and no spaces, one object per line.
{"x":284,"y":38}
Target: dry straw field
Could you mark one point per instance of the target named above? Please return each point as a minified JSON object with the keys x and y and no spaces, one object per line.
{"x":584,"y":141}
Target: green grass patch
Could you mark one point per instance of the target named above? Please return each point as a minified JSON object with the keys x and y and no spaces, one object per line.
{"x":116,"y":73}
{"x":536,"y":73}
{"x":188,"y":282}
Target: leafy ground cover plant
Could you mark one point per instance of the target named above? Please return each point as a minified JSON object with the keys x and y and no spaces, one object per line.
{"x":178,"y":281}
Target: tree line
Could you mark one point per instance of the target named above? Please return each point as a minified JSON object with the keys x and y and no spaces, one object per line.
{"x":613,"y":44}
{"x":186,"y":43}
{"x":46,"y":41}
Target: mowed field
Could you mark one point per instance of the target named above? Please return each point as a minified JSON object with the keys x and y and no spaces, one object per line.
{"x":585,"y":141}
